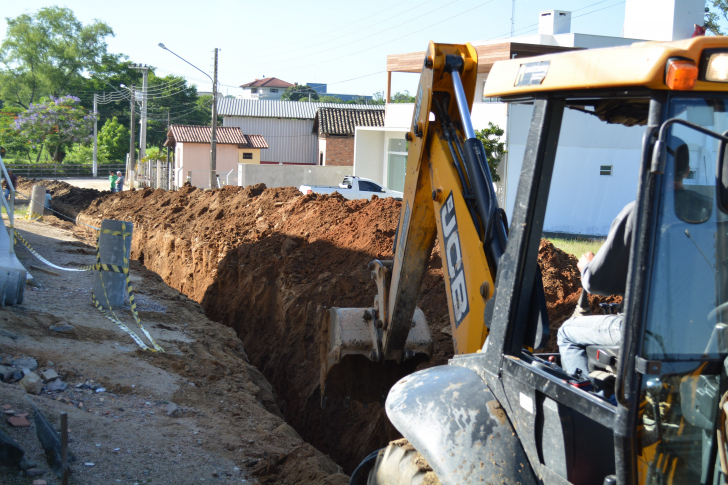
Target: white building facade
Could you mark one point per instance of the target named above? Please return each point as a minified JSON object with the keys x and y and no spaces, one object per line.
{"x":593,"y":156}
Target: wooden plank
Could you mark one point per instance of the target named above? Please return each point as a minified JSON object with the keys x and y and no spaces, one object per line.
{"x":488,"y":54}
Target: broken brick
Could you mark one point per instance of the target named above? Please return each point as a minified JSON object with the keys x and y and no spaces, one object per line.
{"x":19,"y":422}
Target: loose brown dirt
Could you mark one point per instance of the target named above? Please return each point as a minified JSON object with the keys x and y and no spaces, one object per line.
{"x":229,"y":427}
{"x":269,"y":262}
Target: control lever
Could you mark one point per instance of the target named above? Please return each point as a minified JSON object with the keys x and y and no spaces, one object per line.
{"x":610,"y":308}
{"x":582,"y":308}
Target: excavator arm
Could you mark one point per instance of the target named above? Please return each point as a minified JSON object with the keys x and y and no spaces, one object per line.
{"x":448,"y":194}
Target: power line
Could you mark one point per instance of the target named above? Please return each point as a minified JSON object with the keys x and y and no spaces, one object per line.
{"x":307,"y":47}
{"x":367,"y":37}
{"x":395,"y":39}
{"x":529,"y":28}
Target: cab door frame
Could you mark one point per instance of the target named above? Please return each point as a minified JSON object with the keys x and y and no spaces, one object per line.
{"x":521,"y":386}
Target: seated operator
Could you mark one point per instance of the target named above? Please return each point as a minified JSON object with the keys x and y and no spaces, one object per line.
{"x":606,"y":272}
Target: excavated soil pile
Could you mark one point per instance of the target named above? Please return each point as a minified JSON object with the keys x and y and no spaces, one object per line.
{"x":269,"y":262}
{"x":562,"y":287}
{"x":67,"y":199}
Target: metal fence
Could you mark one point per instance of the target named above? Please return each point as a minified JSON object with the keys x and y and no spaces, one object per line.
{"x":62,"y":169}
{"x":157,"y":175}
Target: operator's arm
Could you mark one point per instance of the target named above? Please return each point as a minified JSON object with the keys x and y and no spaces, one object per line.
{"x":606,"y":273}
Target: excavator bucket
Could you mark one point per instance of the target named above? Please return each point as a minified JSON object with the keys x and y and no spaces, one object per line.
{"x":352,"y":366}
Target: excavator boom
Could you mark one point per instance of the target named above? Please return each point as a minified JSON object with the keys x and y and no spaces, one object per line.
{"x":448,"y":195}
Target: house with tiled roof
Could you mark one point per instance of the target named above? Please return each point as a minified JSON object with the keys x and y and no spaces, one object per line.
{"x":266,"y":88}
{"x":335,"y":128}
{"x":191,"y":145}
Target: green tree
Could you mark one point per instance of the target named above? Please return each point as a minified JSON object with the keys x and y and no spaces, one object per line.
{"x":494,"y":147}
{"x":54,"y":124}
{"x":171,"y":94}
{"x":715,"y":10}
{"x":44,"y":54}
{"x":84,"y":153}
{"x":377,"y":98}
{"x":114,"y":139}
{"x":298,"y":91}
{"x":328,"y":99}
{"x":10,"y":138}
{"x":403,"y":97}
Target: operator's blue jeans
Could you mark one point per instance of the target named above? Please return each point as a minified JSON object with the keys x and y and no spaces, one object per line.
{"x":578,"y":332}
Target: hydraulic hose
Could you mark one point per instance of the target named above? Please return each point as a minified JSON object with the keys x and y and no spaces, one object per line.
{"x":363,"y":467}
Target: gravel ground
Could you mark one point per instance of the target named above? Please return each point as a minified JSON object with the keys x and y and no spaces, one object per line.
{"x":228,"y":427}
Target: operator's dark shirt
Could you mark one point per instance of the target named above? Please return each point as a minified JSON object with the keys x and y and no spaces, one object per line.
{"x":606,"y":274}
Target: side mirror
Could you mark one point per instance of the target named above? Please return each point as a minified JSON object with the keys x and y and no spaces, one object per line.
{"x":721,"y":177}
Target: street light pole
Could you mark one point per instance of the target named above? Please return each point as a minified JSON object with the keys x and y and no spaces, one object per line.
{"x":131,"y":140}
{"x":96,"y":148}
{"x":213,"y":134}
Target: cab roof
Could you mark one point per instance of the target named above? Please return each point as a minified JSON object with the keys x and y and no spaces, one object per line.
{"x":638,"y":65}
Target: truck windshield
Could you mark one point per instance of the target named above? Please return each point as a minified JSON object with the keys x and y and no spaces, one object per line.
{"x":686,"y":335}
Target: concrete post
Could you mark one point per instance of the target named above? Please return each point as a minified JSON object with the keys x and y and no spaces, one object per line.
{"x":112,"y":250}
{"x":159,"y":175}
{"x":36,"y":205}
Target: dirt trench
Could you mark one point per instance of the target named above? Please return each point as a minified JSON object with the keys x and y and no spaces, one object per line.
{"x":269,"y":262}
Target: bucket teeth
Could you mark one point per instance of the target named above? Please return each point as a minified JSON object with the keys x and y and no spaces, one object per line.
{"x":352,"y":363}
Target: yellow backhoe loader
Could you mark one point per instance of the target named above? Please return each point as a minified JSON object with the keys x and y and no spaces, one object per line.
{"x":652,"y":409}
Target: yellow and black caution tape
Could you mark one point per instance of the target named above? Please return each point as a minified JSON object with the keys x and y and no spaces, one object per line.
{"x":114,"y":233}
{"x":34,"y":216}
{"x":101,"y":268}
{"x":125,"y":270}
{"x":41,"y":258}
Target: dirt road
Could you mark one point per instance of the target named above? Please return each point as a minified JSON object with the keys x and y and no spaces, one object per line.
{"x":225,"y":424}
{"x":268,"y":263}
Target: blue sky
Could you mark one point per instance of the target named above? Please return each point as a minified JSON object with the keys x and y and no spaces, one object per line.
{"x":344,"y":44}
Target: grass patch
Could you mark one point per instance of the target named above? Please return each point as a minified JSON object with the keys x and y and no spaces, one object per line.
{"x":20,"y":211}
{"x":577,"y":247}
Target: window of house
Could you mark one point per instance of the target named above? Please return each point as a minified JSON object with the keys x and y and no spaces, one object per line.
{"x":247,"y":156}
{"x":605,"y":170}
{"x":254,"y":90}
{"x":273,"y":90}
{"x":396,"y":163}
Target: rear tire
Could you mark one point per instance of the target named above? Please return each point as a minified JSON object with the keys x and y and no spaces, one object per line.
{"x":401,"y":464}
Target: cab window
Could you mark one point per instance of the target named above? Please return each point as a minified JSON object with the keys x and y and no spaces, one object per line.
{"x":686,"y":330}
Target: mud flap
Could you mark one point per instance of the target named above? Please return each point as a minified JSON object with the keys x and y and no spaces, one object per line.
{"x":453,"y":419}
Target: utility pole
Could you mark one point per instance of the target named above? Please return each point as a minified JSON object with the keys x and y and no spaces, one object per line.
{"x":96,"y":137}
{"x":131,"y":139}
{"x":143,"y":130}
{"x":169,"y":169}
{"x":213,"y":137}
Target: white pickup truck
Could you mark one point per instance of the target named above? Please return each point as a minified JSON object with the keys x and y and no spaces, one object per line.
{"x":353,"y":188}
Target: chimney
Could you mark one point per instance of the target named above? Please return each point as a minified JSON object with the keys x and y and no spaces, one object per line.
{"x":553,"y":22}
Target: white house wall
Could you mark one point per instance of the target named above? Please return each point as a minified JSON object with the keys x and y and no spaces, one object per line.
{"x":368,"y":159}
{"x":290,"y":141}
{"x":398,"y":114}
{"x":195,"y":158}
{"x":580,"y":200}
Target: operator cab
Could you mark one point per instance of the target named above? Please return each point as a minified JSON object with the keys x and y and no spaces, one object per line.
{"x":649,"y":408}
